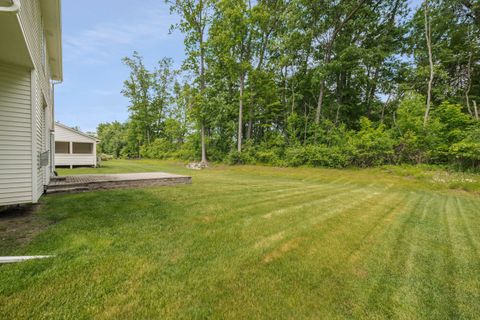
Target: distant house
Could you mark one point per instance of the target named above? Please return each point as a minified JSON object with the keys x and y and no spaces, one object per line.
{"x":30,"y":63}
{"x":74,"y":148}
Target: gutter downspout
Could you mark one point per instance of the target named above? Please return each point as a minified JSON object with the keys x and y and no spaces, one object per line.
{"x":52,"y":132}
{"x":13,"y":9}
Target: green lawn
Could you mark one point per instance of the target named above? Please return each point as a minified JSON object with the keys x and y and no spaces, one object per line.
{"x":254,"y":242}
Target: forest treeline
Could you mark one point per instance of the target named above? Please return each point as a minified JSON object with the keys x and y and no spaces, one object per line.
{"x":310,"y":82}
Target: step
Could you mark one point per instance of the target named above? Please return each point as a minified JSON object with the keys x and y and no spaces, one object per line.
{"x":66,"y":190}
{"x":53,"y":186}
{"x":57,"y":178}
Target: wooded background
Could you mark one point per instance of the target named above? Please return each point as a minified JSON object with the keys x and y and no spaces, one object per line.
{"x":309,"y":82}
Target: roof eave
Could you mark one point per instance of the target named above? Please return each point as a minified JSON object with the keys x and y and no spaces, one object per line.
{"x":76,"y":131}
{"x":51,"y":11}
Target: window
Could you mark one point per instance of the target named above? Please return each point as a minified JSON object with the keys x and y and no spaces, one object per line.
{"x":62,"y":147}
{"x":82,"y":148}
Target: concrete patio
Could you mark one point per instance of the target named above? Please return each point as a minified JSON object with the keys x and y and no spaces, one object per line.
{"x":89,"y":182}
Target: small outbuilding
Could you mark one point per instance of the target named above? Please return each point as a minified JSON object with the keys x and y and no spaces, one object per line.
{"x":74,"y":148}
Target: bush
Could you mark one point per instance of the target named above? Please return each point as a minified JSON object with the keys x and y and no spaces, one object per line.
{"x":319,"y":156}
{"x":296,"y":156}
{"x":417,"y":144}
{"x":160,"y":148}
{"x":452,"y":129}
{"x":372,"y":146}
{"x":235,"y":157}
{"x":466,"y":153}
{"x":105,"y":157}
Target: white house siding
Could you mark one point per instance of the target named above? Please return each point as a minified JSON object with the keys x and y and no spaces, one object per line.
{"x":30,"y":17}
{"x":41,"y":111}
{"x":75,"y":160}
{"x":31,"y":21}
{"x":24,"y":126}
{"x":64,"y":159}
{"x":63,"y":134}
{"x":15,"y":135}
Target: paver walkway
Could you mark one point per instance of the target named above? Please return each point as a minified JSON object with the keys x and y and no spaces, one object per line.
{"x":86,"y":182}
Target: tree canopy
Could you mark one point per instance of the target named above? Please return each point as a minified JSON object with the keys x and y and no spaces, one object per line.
{"x":311,"y":82}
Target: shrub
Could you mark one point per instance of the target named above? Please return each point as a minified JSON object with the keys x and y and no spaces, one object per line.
{"x":318,"y":156}
{"x":416,"y":143}
{"x":235,"y":157}
{"x":159,"y":149}
{"x":105,"y":157}
{"x":466,"y":153}
{"x":372,"y":146}
{"x":296,"y":156}
{"x":267,"y":157}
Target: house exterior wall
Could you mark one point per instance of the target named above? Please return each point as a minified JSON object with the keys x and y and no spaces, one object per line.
{"x":15,"y":135}
{"x":30,"y":17}
{"x":26,"y":115}
{"x":66,"y":135}
{"x":62,"y":159}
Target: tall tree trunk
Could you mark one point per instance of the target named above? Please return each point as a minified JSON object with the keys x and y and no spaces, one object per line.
{"x":428,"y":38}
{"x":371,"y":92}
{"x":285,"y":88}
{"x":251,"y":114}
{"x":240,"y":113}
{"x":321,"y":94}
{"x":305,"y":126}
{"x":339,"y":95}
{"x":337,"y":114}
{"x":204,"y":150}
{"x":293,"y":99}
{"x":202,"y":90}
{"x":475,"y":109}
{"x":328,"y":52}
{"x":250,"y":123}
{"x":384,"y":106}
{"x":469,"y":83}
{"x":320,"y":102}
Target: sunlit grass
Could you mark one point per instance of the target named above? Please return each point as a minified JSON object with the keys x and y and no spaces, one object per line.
{"x":253,"y":242}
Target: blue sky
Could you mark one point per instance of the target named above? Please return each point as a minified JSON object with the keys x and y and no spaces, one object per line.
{"x":97,"y":34}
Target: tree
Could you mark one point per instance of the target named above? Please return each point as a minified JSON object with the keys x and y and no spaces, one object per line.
{"x":231,"y":37}
{"x":428,"y":38}
{"x":112,"y":138}
{"x":335,"y":83}
{"x":195,"y":18}
{"x":339,"y":22}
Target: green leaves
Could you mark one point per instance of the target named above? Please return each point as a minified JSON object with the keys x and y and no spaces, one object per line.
{"x":257,"y":73}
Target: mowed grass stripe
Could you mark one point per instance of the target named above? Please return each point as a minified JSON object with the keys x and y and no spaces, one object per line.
{"x":467,"y":259}
{"x":253,"y":243}
{"x":299,"y":221}
{"x":241,"y":195}
{"x":298,"y":213}
{"x":284,"y":202}
{"x":386,"y":263}
{"x":259,"y":197}
{"x":224,"y":210}
{"x":295,"y":253}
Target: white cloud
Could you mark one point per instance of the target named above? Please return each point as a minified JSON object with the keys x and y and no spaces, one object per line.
{"x":97,"y":44}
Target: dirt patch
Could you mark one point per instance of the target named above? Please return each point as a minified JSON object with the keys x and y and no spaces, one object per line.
{"x":284,"y":248}
{"x":19,"y":225}
{"x":208,"y":219}
{"x":266,"y":242}
{"x":360,"y":272}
